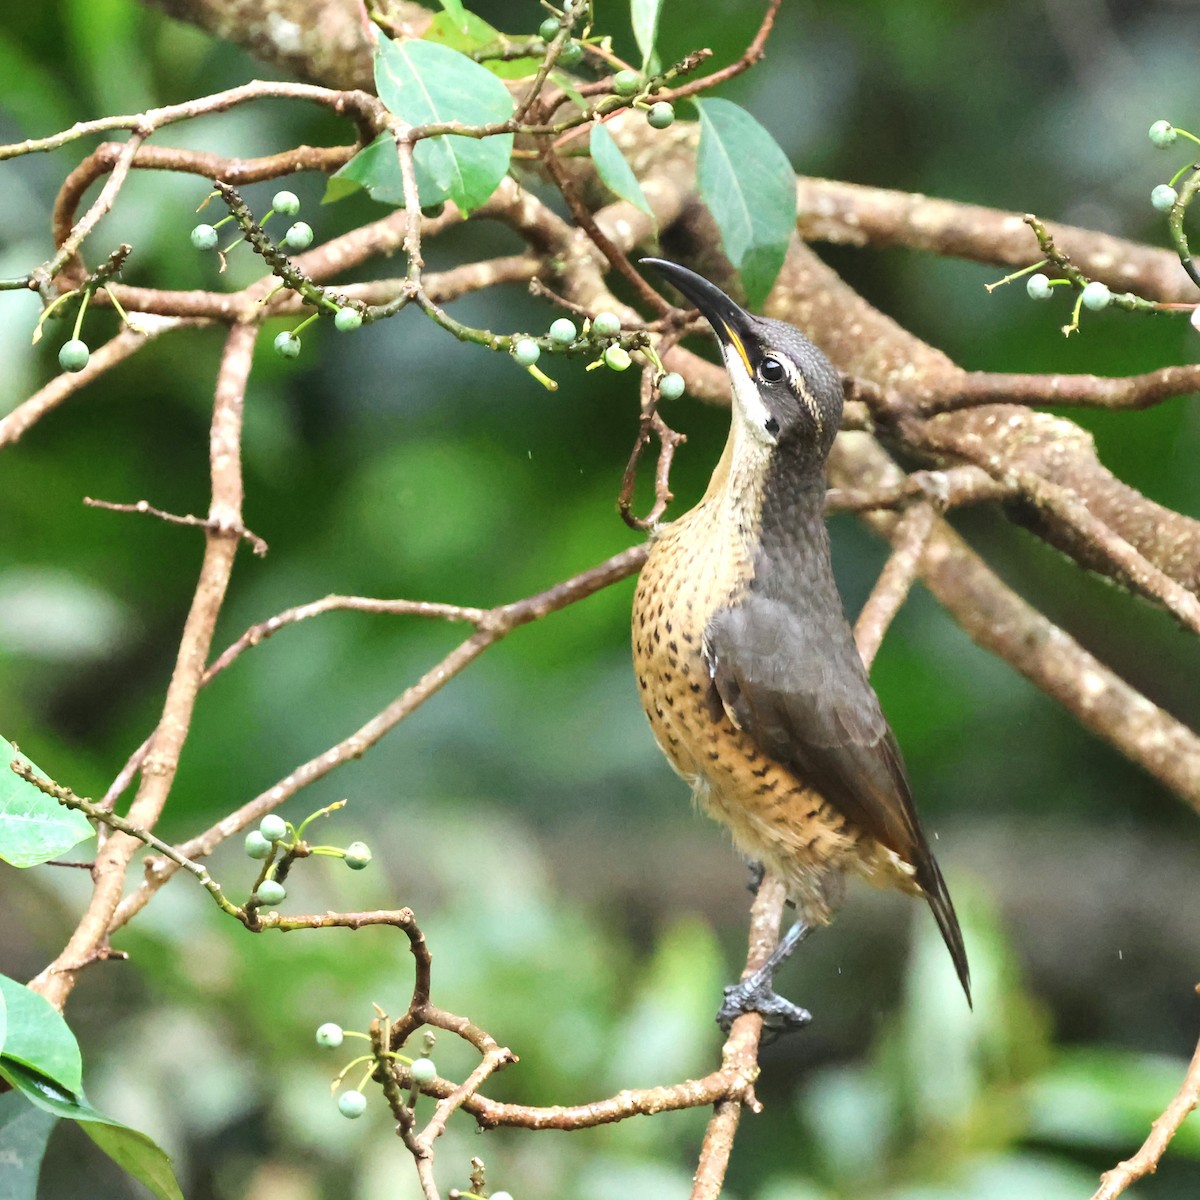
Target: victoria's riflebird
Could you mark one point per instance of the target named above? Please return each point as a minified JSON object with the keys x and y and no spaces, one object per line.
{"x":747,"y":666}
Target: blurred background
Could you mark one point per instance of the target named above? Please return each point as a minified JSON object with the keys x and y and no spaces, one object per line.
{"x":576,"y":906}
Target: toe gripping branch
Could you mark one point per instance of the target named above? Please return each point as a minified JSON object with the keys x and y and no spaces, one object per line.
{"x":756,"y":993}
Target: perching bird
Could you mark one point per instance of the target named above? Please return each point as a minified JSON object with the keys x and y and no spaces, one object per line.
{"x":746,"y":664}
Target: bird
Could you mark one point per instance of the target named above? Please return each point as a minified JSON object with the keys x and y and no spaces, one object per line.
{"x":746,"y":664}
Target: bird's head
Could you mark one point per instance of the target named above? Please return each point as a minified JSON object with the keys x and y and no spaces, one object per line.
{"x":786,"y":392}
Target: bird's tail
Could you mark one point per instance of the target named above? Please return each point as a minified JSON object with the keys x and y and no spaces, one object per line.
{"x":934,"y":886}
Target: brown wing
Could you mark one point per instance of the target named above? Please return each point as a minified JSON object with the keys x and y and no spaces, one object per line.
{"x":800,"y":690}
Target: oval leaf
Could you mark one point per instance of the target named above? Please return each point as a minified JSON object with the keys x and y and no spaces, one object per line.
{"x":617,"y":174}
{"x":37,"y":1036}
{"x":34,"y":827}
{"x":749,"y":187}
{"x":137,"y":1153}
{"x":643,"y":14}
{"x":473,"y":34}
{"x":426,"y":84}
{"x":24,"y":1130}
{"x":377,"y":168}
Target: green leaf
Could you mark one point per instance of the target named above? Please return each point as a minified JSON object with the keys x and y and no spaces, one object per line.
{"x":474,"y":34}
{"x":424,"y":84}
{"x":644,"y":16}
{"x":617,"y":174}
{"x":24,"y":1131}
{"x":38,"y":1037}
{"x":34,"y":827}
{"x":456,"y":12}
{"x":138,"y":1154}
{"x":377,"y":168}
{"x":749,"y":187}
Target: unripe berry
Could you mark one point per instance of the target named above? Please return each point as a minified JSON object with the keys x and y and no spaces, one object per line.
{"x":272,"y":826}
{"x":271,"y":891}
{"x":563,"y":332}
{"x":287,"y":345}
{"x":1038,"y":287}
{"x":74,"y":355}
{"x":1096,"y":296}
{"x":257,"y":846}
{"x":330,"y":1035}
{"x":526,"y":352}
{"x":501,"y":1196}
{"x":423,"y":1071}
{"x":299,"y":237}
{"x":660,"y":115}
{"x":358,"y":855}
{"x":1162,"y":134}
{"x":347,"y":319}
{"x":626,"y":83}
{"x":548,"y":30}
{"x":570,"y":54}
{"x":617,"y":357}
{"x":204,"y":237}
{"x":286,"y":203}
{"x":670,"y":387}
{"x":605,"y":324}
{"x":1163,"y":197}
{"x":352,"y":1104}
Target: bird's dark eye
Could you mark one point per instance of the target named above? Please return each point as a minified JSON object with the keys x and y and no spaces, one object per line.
{"x":770,"y":370}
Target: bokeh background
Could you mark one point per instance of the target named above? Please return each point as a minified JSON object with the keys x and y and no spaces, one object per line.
{"x":576,"y":907}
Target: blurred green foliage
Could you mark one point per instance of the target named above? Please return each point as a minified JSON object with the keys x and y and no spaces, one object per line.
{"x":568,"y":895}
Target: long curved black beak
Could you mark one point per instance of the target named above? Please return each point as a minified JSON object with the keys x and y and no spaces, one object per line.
{"x":733,"y":325}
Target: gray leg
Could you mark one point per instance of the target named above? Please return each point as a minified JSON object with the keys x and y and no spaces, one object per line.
{"x":756,"y":992}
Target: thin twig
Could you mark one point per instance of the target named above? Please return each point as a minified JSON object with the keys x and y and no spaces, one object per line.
{"x":1146,"y":1160}
{"x":909,"y":539}
{"x":144,"y":506}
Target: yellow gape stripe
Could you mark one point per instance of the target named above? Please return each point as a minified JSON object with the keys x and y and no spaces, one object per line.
{"x":736,"y":343}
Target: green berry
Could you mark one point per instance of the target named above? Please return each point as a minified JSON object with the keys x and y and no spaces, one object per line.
{"x":287,"y":345}
{"x":347,"y":319}
{"x":204,"y":237}
{"x":423,"y":1071}
{"x":548,"y":29}
{"x":330,"y":1035}
{"x":526,"y":352}
{"x":273,"y":827}
{"x":352,"y":1104}
{"x":563,"y":332}
{"x":299,"y":237}
{"x":570,"y":54}
{"x":1037,"y":287}
{"x":617,"y":357}
{"x":626,"y":83}
{"x":605,"y":324}
{"x":358,"y":855}
{"x":660,"y":115}
{"x":502,"y":1196}
{"x":271,"y":891}
{"x":1096,"y":296}
{"x":1163,"y":197}
{"x":670,"y":387}
{"x":1162,"y":134}
{"x":74,"y":355}
{"x":286,"y":203}
{"x":257,"y":846}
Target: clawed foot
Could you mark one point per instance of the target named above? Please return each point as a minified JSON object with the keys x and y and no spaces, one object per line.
{"x":756,"y":994}
{"x":757,"y":874}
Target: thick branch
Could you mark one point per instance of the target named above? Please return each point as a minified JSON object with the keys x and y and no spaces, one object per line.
{"x":158,"y":769}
